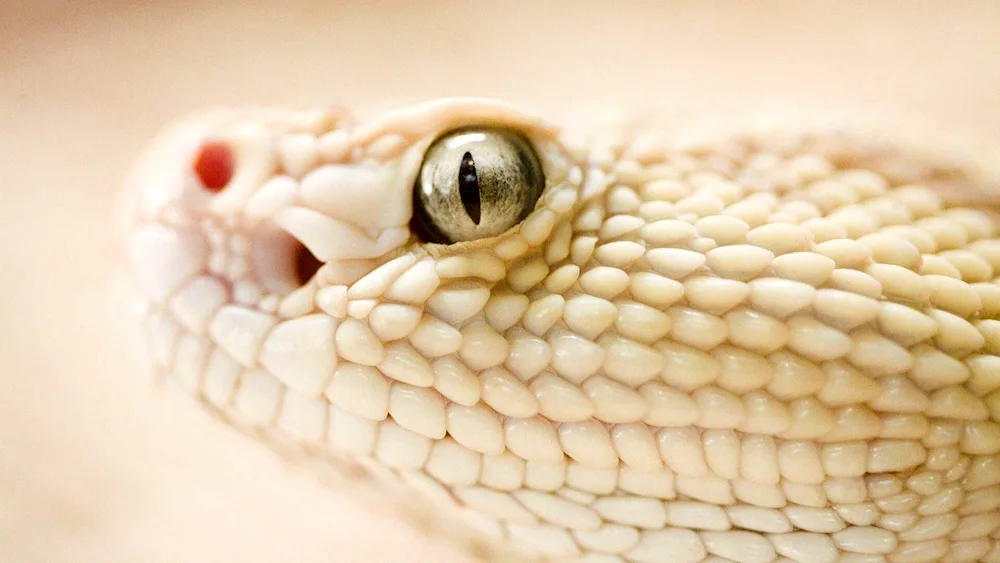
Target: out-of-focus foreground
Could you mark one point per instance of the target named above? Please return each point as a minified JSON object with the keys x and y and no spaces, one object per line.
{"x":95,"y":463}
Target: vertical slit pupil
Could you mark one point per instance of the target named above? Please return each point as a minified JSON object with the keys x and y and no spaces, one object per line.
{"x":468,"y":188}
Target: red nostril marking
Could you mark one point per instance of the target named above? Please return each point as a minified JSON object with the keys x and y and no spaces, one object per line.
{"x":214,"y":165}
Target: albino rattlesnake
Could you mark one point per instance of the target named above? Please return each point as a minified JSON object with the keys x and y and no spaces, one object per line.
{"x":781,"y":345}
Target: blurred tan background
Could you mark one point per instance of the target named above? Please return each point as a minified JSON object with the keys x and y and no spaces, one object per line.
{"x":95,"y":463}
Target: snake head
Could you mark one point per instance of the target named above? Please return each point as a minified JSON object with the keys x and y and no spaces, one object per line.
{"x":276,"y":249}
{"x":586,"y":344}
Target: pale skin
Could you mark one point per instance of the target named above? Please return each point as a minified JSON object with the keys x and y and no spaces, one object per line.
{"x":779,"y":345}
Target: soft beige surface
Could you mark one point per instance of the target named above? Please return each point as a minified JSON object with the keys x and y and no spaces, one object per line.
{"x":96,"y":464}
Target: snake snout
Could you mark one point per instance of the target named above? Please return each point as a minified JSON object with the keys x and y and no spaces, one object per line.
{"x":164,"y":258}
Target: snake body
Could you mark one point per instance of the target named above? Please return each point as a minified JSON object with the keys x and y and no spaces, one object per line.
{"x":775,"y":345}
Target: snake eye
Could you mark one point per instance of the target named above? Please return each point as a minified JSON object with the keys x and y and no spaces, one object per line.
{"x":475,"y":183}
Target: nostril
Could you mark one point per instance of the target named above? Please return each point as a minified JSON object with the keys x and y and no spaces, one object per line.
{"x":306,"y":264}
{"x":214,"y":165}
